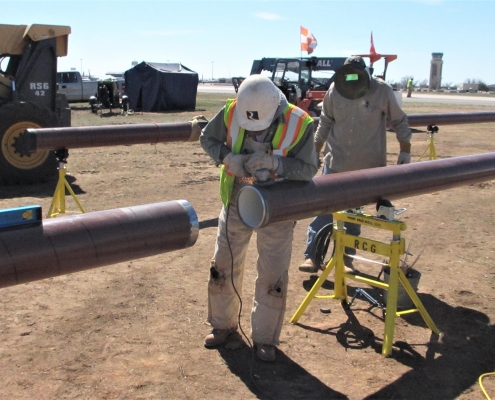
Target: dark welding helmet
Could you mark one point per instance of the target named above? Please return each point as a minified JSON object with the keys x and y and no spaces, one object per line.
{"x":352,"y":80}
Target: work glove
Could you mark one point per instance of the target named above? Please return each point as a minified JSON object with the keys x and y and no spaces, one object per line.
{"x":405,"y":153}
{"x":235,"y":164}
{"x":404,"y":158}
{"x":260,"y":160}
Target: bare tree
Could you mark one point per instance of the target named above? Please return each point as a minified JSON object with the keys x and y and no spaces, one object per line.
{"x":423,"y":83}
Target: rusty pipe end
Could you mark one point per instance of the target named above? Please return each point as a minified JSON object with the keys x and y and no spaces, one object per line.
{"x":252,"y":207}
{"x":193,"y":218}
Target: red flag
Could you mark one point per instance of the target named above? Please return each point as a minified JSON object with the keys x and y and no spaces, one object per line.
{"x":372,"y":48}
{"x":374,"y":56}
{"x":308,"y":41}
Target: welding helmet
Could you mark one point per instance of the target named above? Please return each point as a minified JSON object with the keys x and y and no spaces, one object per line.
{"x":352,"y":80}
{"x":257,"y":102}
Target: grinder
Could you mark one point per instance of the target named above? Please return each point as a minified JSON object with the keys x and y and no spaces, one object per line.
{"x":262,"y":177}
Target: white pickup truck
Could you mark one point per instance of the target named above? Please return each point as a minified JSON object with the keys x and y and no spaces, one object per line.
{"x":75,"y":87}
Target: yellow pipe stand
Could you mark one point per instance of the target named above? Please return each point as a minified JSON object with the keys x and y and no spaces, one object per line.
{"x":58,"y":202}
{"x":431,"y":148}
{"x":392,"y":250}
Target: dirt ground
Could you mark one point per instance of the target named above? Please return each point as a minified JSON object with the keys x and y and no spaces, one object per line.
{"x":135,"y":330}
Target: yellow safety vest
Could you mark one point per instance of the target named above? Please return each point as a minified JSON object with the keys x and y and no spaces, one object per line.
{"x":286,"y":137}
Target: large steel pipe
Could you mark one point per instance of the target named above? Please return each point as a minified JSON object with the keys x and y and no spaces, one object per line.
{"x":74,"y":243}
{"x":33,"y":140}
{"x":259,"y":206}
{"x":424,"y":120}
{"x":416,"y":120}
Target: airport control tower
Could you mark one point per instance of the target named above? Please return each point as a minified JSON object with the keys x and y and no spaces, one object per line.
{"x":436,"y":71}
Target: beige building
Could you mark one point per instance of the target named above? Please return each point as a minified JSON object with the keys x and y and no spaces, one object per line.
{"x":436,"y":71}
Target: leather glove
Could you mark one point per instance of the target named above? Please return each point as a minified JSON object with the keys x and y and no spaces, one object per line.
{"x":235,"y":164}
{"x":260,"y":160}
{"x":405,"y":153}
{"x":404,"y":158}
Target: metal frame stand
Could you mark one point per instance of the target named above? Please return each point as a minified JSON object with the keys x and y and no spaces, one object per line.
{"x":58,"y":202}
{"x":432,"y":129}
{"x":392,"y":250}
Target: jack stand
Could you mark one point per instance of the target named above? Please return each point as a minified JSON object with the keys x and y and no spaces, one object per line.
{"x":432,"y":129}
{"x":392,"y":251}
{"x":58,"y":202}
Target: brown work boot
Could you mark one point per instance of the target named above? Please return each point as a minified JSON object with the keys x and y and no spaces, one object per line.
{"x":218,"y":336}
{"x":265,"y":352}
{"x":308,"y":266}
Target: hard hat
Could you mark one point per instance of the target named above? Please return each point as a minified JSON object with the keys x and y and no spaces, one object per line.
{"x":355,"y":61}
{"x":257,"y":101}
{"x":352,"y":80}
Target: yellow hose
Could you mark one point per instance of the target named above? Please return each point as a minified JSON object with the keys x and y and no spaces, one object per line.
{"x":480,"y":379}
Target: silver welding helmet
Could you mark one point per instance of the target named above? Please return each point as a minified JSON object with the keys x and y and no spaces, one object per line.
{"x":352,"y":80}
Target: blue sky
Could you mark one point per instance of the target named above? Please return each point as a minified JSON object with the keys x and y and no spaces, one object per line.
{"x":222,"y":38}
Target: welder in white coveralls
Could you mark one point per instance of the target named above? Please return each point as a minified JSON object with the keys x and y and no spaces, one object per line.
{"x":257,"y":137}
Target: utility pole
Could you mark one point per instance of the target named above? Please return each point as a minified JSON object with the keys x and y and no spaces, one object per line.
{"x":212,"y":70}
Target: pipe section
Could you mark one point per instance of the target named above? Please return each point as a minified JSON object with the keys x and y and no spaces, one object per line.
{"x":259,"y":206}
{"x":33,"y":140}
{"x":424,"y":120}
{"x":75,"y":243}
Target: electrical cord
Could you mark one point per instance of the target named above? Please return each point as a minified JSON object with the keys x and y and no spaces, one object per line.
{"x":480,"y":382}
{"x":251,"y":364}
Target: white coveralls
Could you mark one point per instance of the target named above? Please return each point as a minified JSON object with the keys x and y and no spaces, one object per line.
{"x":274,"y":242}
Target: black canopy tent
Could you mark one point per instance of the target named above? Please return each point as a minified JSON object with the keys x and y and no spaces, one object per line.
{"x":161,"y":87}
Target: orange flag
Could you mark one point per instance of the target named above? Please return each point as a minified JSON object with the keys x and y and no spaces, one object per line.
{"x":372,"y":48}
{"x":308,"y":41}
{"x":374,"y":56}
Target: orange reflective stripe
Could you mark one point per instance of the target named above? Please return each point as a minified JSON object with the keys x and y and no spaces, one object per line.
{"x":286,"y":126}
{"x":230,"y":110}
{"x":297,"y":130}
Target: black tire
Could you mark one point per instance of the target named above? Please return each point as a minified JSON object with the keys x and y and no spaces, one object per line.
{"x":38,"y":167}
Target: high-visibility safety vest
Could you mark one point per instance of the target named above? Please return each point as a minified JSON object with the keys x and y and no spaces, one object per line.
{"x":286,"y":137}
{"x":409,"y":83}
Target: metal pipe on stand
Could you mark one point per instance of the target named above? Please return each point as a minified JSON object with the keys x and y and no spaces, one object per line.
{"x":259,"y":206}
{"x":416,"y":120}
{"x":75,"y":243}
{"x":33,"y":140}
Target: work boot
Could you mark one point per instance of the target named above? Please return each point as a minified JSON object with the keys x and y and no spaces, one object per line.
{"x":218,"y":336}
{"x":308,"y":266}
{"x":265,"y":352}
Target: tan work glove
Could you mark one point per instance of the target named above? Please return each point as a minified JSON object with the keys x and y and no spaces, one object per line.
{"x":260,"y":160}
{"x":235,"y":164}
{"x":405,"y":153}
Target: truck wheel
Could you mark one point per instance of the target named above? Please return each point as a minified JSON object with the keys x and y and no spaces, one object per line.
{"x":38,"y":167}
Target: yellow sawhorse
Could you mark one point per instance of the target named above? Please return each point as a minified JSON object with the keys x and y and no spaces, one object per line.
{"x":58,"y":202}
{"x":392,"y":250}
{"x":432,"y":129}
